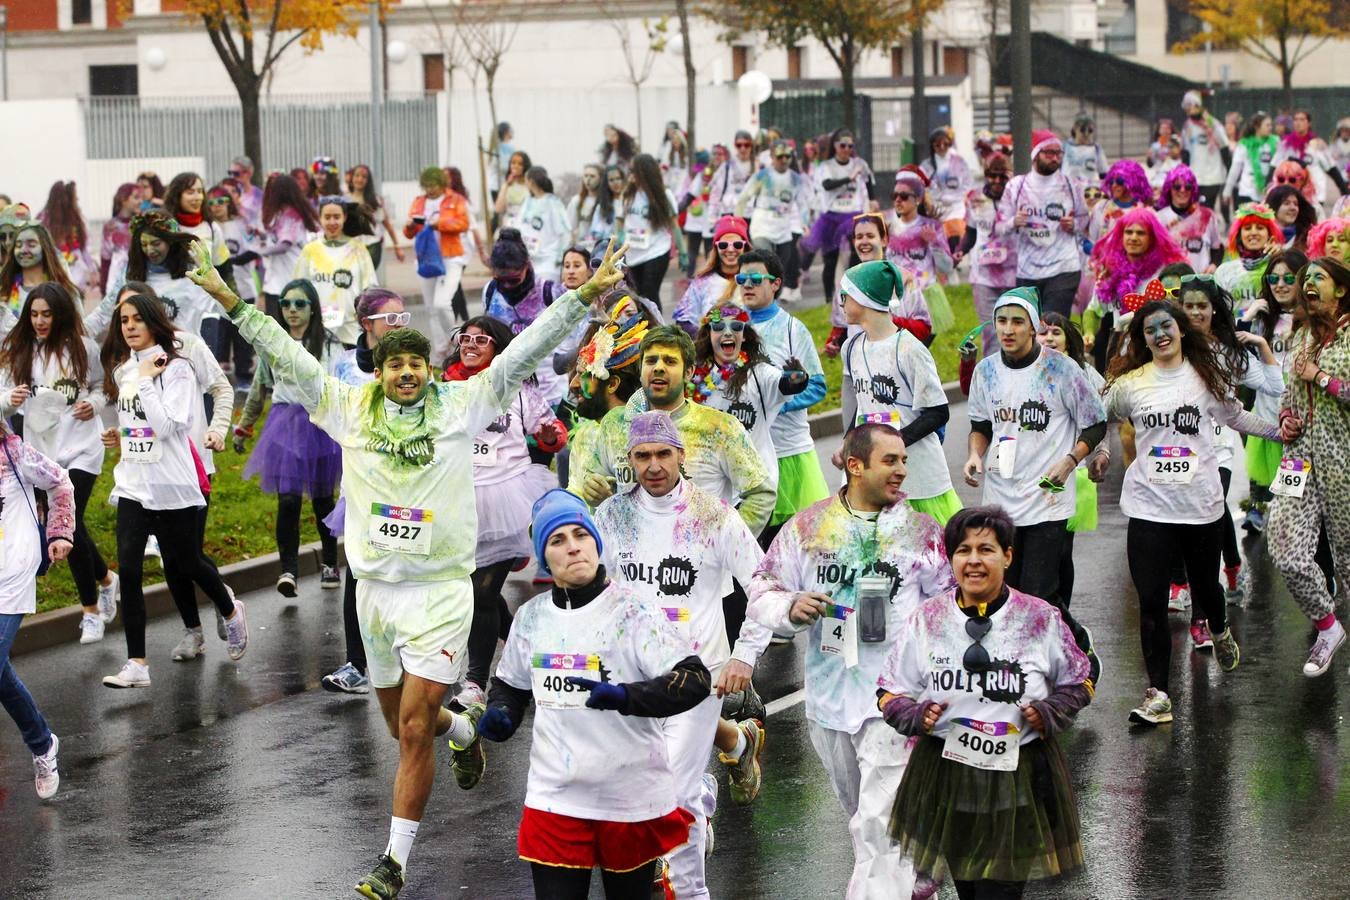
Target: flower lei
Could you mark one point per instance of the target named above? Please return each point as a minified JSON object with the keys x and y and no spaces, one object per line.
{"x":708,"y":380}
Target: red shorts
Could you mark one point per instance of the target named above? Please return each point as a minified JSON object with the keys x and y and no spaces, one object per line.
{"x":557,"y":840}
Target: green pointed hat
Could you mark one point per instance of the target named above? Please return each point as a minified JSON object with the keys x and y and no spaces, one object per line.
{"x":1026,"y":297}
{"x":873,"y":284}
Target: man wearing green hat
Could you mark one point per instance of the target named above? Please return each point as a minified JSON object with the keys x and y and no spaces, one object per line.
{"x":1033,"y":418}
{"x":897,"y":384}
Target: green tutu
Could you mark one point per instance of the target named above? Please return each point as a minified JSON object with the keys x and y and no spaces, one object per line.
{"x":942,"y":507}
{"x":800,"y":483}
{"x":1084,"y":516}
{"x":977,"y":824}
{"x":1263,"y":460}
{"x":939,"y":310}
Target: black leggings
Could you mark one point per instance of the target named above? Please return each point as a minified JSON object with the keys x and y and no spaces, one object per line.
{"x":491,"y":618}
{"x":986,"y":889}
{"x":179,"y":547}
{"x":792,"y":263}
{"x":647,"y":277}
{"x":1231,"y":556}
{"x":560,"y":883}
{"x":86,"y":563}
{"x":288,"y":530}
{"x":458,"y":304}
{"x":1149,"y":547}
{"x":351,"y":625}
{"x":829,"y":261}
{"x":695,"y":243}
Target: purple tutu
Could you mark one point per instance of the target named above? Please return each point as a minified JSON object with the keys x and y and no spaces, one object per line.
{"x":335,"y":520}
{"x":294,"y":456}
{"x":830,"y":232}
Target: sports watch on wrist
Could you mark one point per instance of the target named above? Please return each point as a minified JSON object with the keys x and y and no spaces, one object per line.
{"x":1323,"y":379}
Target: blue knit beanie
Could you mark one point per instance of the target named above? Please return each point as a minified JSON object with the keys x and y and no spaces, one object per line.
{"x":554,"y":510}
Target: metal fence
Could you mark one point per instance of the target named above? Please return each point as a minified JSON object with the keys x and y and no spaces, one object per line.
{"x":295,"y":129}
{"x":806,"y":115}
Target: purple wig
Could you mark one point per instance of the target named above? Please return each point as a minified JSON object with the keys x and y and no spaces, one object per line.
{"x":1136,"y":182}
{"x":1118,"y":274}
{"x":1180,"y":175}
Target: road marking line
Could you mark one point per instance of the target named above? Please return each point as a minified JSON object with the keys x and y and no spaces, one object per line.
{"x":786,"y":702}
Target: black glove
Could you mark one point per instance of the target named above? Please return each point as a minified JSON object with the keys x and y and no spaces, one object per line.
{"x":244,"y":258}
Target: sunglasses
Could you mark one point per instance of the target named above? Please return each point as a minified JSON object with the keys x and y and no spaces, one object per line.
{"x":902,"y":195}
{"x":217,"y":201}
{"x":475,"y":340}
{"x":1093,"y":193}
{"x":731,"y":245}
{"x":735,"y":326}
{"x":1288,"y":278}
{"x":844,"y":146}
{"x":1186,"y":279}
{"x":753,"y":278}
{"x":995,"y":176}
{"x":397,"y":319}
{"x":976,"y":658}
{"x":235,"y":173}
{"x":782,"y":156}
{"x":744,"y":144}
{"x":1286,"y":179}
{"x":287,"y":303}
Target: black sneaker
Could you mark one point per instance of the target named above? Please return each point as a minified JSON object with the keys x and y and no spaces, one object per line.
{"x":385,"y":880}
{"x":1094,"y":660}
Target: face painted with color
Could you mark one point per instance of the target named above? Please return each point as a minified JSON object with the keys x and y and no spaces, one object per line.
{"x":218,"y":209}
{"x":1321,"y":293}
{"x":1338,"y":245}
{"x":404,"y":377}
{"x":134,"y":332}
{"x":876,"y":482}
{"x":1052,"y":336}
{"x":156,"y":249}
{"x":592,"y":395}
{"x":576,"y":269}
{"x":867,"y":241}
{"x":331,"y":219}
{"x":476,"y":348}
{"x":27,"y":249}
{"x":979,"y":564}
{"x":193,"y":197}
{"x":726,"y":334}
{"x":1162,"y":334}
{"x":664,"y":373}
{"x":1199,"y":311}
{"x":572,"y":556}
{"x":295,"y":310}
{"x":379,"y":326}
{"x":1254,"y":237}
{"x":40,"y":317}
{"x":1015,"y":334}
{"x":758,"y":296}
{"x":657,"y":467}
{"x":590,"y":177}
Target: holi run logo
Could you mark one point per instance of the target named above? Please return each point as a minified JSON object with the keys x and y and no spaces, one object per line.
{"x":884,"y":389}
{"x":1187,"y":419}
{"x":744,"y":413}
{"x":1054,"y":211}
{"x":675,"y":576}
{"x":342,"y":278}
{"x":68,"y":388}
{"x":1033,"y":415}
{"x":170,"y":308}
{"x":501,"y":424}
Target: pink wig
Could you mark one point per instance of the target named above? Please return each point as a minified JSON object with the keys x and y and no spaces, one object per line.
{"x":1317,"y":238}
{"x":1292,"y":172}
{"x":1180,"y":175}
{"x":1136,"y":182}
{"x":1117,"y":273}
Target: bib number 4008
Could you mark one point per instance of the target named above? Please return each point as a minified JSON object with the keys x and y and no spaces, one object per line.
{"x":986,"y":745}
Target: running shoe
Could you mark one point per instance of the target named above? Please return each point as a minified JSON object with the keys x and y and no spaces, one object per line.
{"x":107,"y":598}
{"x":286,"y":584}
{"x":738,"y":706}
{"x":1255,"y":520}
{"x":1201,"y":639}
{"x":1155,"y":710}
{"x":779,"y":639}
{"x":925,"y":886}
{"x":469,"y":695}
{"x":131,"y":675}
{"x":1237,"y":585}
{"x":152,"y":546}
{"x":329,"y":579}
{"x":1094,"y":661}
{"x":45,"y":775}
{"x":220,"y":620}
{"x":346,"y":679}
{"x":384,"y":881}
{"x":470,"y":762}
{"x":1226,"y":650}
{"x":709,"y":839}
{"x":236,"y":631}
{"x":1323,"y":649}
{"x":1178,"y":598}
{"x":191,"y":646}
{"x":91,"y":628}
{"x":746,"y":772}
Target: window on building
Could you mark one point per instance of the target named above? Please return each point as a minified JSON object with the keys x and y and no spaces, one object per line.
{"x":433,"y":71}
{"x":113,"y":81}
{"x":740,"y":61}
{"x":897,"y":62}
{"x":794,"y":55}
{"x":81,"y":12}
{"x":955,"y":61}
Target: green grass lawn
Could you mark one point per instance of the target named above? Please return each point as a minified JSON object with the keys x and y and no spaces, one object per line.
{"x":944,"y":346}
{"x":242,"y":524}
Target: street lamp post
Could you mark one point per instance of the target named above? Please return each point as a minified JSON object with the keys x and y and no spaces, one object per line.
{"x":376,"y":92}
{"x":4,"y":53}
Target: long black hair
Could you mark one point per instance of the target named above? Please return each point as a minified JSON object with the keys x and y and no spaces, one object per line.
{"x":165,"y":227}
{"x":1074,"y":348}
{"x":750,"y":346}
{"x":1222,"y":329}
{"x":314,"y":337}
{"x":1322,"y":328}
{"x":1202,"y":353}
{"x":496,"y":329}
{"x":1270,"y":316}
{"x":1307,"y":213}
{"x":646,"y":177}
{"x":66,"y":336}
{"x":116,"y":351}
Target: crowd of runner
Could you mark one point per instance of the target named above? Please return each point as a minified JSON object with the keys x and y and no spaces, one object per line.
{"x":648,"y":451}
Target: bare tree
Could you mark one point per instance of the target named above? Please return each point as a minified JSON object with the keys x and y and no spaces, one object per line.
{"x":639,"y":55}
{"x":690,"y":88}
{"x":455,"y":55}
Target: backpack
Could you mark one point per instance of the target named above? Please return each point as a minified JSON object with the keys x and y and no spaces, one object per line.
{"x":427,"y":246}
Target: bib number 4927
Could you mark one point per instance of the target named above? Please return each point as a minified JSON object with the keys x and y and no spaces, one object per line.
{"x":400,"y":529}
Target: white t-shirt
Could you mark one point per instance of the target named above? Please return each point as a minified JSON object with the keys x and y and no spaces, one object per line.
{"x":339,"y":272}
{"x":1037,"y":413}
{"x":592,"y":763}
{"x":49,"y":425}
{"x":1206,"y":157}
{"x":280,"y":249}
{"x":758,"y":407}
{"x":1267,"y":406}
{"x":1197,"y":233}
{"x":21,"y":543}
{"x":157,"y":415}
{"x":1043,"y":248}
{"x":777,"y":211}
{"x":500,"y":450}
{"x":1266,"y":381}
{"x":783,"y":336}
{"x":850,"y":197}
{"x":679,"y":552}
{"x":1085,"y":164}
{"x":727,"y":183}
{"x":1175,"y":477}
{"x":898,"y":376}
{"x":544,"y":226}
{"x":951,"y":179}
{"x":645,"y":241}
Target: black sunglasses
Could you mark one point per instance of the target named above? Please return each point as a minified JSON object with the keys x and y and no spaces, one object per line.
{"x":976,"y":658}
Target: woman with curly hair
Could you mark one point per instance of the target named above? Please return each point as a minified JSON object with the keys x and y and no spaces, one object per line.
{"x":1293,"y":214}
{"x":1254,"y":235}
{"x":1190,"y":222}
{"x":619,"y":148}
{"x":1292,"y":173}
{"x":1126,"y":185}
{"x":1131,"y":255}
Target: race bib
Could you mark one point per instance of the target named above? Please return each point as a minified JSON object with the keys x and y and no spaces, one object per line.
{"x":1292,"y":478}
{"x":638,"y":238}
{"x":399,"y":529}
{"x":1171,"y":465}
{"x":548,"y":678}
{"x":533,"y":243}
{"x":1039,"y":233}
{"x":1007,"y":456}
{"x":891,"y":418}
{"x":140,"y":445}
{"x":680,"y":616}
{"x":845,"y":200}
{"x":991,"y":255}
{"x":839,"y":633}
{"x":982,"y":745}
{"x":484,"y":454}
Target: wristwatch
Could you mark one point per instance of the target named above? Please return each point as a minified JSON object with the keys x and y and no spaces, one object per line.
{"x":1323,"y":379}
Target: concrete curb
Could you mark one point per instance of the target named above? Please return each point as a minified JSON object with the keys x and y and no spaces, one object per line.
{"x":62,"y":626}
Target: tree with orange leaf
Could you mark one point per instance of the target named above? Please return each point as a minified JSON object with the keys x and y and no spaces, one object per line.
{"x":1280,"y":32}
{"x":251,"y":35}
{"x":845,"y":28}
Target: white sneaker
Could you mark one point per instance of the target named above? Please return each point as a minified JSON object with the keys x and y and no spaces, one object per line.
{"x":45,"y":776}
{"x":91,"y":628}
{"x":236,"y":629}
{"x":152,"y":546}
{"x":286,"y":584}
{"x":107,"y":598}
{"x":220,"y":620}
{"x":1323,"y":649}
{"x":132,"y":675}
{"x":191,"y":646}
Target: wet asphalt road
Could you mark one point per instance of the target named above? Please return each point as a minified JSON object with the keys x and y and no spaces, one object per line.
{"x":247,"y":779}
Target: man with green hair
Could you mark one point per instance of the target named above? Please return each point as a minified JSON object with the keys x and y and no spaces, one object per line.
{"x":719,"y":456}
{"x":439,"y":268}
{"x":410,"y":523}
